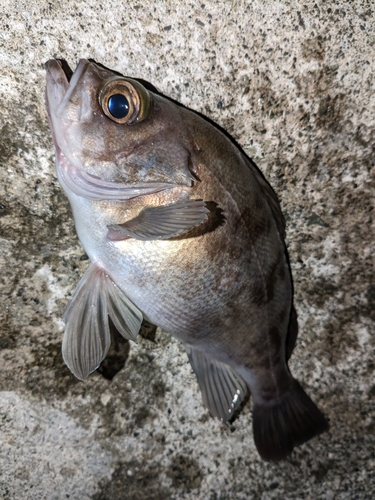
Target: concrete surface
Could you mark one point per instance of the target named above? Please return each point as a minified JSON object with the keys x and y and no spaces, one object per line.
{"x":293,"y":82}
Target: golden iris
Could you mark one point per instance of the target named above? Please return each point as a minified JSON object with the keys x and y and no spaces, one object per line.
{"x":124,"y":100}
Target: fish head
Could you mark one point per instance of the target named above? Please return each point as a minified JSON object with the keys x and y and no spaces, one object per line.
{"x":109,"y":129}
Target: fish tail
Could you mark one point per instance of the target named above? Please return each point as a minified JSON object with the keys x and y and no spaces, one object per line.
{"x":280,"y":426}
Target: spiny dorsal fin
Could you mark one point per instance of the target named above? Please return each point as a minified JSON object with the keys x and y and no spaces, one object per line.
{"x":222,"y":389}
{"x":270,"y":194}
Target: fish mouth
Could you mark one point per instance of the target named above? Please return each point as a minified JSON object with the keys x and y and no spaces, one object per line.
{"x":59,"y":71}
{"x":61,"y":82}
{"x":65,"y":67}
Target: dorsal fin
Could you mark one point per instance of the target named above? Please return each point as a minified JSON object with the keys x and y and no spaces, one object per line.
{"x":271,"y":197}
{"x":292,"y":333}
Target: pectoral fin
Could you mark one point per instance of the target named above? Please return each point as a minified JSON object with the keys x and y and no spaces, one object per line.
{"x":87,"y":337}
{"x":222,"y":389}
{"x":162,"y":222}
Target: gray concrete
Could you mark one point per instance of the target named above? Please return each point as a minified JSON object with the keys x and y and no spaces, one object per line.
{"x":293,"y":82}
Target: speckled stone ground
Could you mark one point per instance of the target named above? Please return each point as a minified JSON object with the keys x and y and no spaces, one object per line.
{"x":293,"y":82}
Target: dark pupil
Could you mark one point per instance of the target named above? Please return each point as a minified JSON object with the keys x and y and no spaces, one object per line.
{"x":118,"y":106}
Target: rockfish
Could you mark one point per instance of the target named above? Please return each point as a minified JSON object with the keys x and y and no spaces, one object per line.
{"x":182,"y":230}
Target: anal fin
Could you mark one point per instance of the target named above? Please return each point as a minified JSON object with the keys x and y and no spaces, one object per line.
{"x":87,"y":335}
{"x":223,"y":390}
{"x":161,"y":222}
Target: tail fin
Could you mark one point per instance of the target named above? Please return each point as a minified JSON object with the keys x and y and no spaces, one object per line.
{"x":281,"y":426}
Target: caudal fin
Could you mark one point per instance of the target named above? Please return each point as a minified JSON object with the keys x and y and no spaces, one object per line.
{"x":281,"y":426}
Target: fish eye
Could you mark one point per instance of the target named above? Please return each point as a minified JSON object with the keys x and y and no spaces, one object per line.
{"x":118,"y":106}
{"x":124,"y":100}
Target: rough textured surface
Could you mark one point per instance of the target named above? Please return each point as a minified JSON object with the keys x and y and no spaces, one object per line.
{"x":293,"y":83}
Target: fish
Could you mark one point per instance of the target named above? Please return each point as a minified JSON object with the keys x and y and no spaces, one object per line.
{"x":183,"y":231}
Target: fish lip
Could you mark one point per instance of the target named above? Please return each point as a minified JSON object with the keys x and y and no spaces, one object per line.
{"x":57,"y":74}
{"x":66,"y":68}
{"x":58,"y":67}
